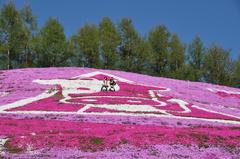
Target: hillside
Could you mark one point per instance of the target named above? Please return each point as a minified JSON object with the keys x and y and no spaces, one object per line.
{"x":62,"y":113}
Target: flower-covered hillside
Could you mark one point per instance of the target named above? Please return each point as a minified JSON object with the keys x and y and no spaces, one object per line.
{"x":62,"y":113}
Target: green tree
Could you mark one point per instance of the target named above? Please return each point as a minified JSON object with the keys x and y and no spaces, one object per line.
{"x":236,"y":76}
{"x":77,"y":57}
{"x":218,"y":66}
{"x":176,"y":56}
{"x":159,"y":40}
{"x":29,"y":29}
{"x":109,"y":40}
{"x":53,"y":45}
{"x":184,"y":72}
{"x":196,"y":53}
{"x":11,"y":34}
{"x":88,"y":41}
{"x":127,"y":48}
{"x":34,"y":58}
{"x":142,"y":59}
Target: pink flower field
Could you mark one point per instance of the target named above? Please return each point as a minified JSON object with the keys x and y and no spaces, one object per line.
{"x":62,"y":113}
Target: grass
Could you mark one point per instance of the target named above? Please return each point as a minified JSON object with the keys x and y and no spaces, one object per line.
{"x":96,"y":141}
{"x":11,"y":148}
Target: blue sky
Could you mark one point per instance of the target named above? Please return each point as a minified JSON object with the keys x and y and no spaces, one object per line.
{"x":215,"y":21}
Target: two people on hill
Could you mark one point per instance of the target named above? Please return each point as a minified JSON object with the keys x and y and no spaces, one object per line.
{"x":108,"y":85}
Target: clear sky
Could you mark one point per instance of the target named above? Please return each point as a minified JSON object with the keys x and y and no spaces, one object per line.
{"x":215,"y":21}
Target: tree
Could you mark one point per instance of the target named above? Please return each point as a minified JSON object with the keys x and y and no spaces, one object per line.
{"x":142,"y":58}
{"x":129,"y":40}
{"x":109,"y":40}
{"x":52,"y":49}
{"x":185,"y":72}
{"x":218,"y":66}
{"x":29,"y":29}
{"x":196,"y":53}
{"x":88,"y":41}
{"x":159,"y":40}
{"x":11,"y":34}
{"x":236,"y":76}
{"x":176,"y":55}
{"x":73,"y":48}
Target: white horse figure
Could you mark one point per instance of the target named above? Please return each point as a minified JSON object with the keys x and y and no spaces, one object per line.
{"x":93,"y":85}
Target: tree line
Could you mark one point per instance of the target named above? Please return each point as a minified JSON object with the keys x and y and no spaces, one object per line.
{"x":111,"y":46}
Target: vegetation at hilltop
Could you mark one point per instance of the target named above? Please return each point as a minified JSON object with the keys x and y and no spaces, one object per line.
{"x":111,"y":46}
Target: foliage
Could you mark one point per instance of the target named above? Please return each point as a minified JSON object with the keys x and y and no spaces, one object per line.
{"x":109,"y":40}
{"x":218,"y":66}
{"x":176,"y":56}
{"x":52,"y":44}
{"x":160,"y":53}
{"x":236,"y":76}
{"x":12,"y":34}
{"x":88,"y":42}
{"x":159,"y":40}
{"x":196,"y":58}
{"x":129,"y":40}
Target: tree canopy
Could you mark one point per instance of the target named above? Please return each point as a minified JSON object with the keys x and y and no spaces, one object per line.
{"x":111,"y":45}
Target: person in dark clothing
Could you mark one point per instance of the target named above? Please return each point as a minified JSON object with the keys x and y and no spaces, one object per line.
{"x":112,"y":84}
{"x":105,"y":84}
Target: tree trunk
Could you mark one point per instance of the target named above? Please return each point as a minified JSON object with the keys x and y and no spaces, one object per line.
{"x":26,"y":52}
{"x":8,"y":52}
